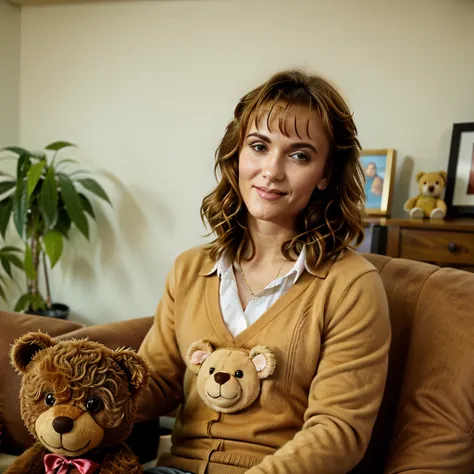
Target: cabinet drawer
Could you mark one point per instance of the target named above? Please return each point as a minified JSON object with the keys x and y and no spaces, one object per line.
{"x":437,"y":246}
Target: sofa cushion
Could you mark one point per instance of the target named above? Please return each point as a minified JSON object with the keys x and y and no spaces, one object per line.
{"x":15,"y":435}
{"x":129,"y":333}
{"x":434,"y":431}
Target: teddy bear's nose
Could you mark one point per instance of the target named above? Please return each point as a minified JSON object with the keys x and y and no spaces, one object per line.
{"x":430,"y":189}
{"x":221,"y":377}
{"x":63,"y":424}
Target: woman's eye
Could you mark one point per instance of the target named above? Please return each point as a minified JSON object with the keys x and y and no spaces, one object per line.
{"x":300,"y":156}
{"x":49,"y":399}
{"x":258,"y":147}
{"x":93,"y":404}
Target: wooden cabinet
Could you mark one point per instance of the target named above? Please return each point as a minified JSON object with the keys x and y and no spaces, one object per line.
{"x":449,"y":242}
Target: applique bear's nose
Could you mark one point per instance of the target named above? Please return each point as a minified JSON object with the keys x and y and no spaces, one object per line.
{"x":63,"y":424}
{"x":221,"y":377}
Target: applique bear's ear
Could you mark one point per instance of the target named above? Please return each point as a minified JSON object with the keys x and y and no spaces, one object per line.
{"x":25,"y":347}
{"x":198,"y":352}
{"x":134,"y":366}
{"x":264,"y":361}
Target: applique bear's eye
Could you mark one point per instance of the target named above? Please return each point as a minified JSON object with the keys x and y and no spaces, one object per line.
{"x":49,"y":399}
{"x":94,"y":404}
{"x":239,"y":374}
{"x":211,"y":370}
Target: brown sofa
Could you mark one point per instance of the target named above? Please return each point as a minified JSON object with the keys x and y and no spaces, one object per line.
{"x":426,"y":422}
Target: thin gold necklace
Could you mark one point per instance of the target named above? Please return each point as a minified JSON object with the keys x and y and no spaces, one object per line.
{"x":255,"y":295}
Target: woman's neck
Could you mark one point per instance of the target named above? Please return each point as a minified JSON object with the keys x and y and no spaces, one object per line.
{"x":267,"y":239}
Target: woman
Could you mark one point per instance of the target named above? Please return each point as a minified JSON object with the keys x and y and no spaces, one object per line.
{"x":279,"y":274}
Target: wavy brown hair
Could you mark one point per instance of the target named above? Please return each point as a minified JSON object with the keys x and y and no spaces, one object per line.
{"x":332,"y":219}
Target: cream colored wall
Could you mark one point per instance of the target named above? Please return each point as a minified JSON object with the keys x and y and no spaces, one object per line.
{"x":146,"y":89}
{"x":9,"y":72}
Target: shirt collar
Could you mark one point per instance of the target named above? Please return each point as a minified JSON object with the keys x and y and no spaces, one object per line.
{"x":223,"y":265}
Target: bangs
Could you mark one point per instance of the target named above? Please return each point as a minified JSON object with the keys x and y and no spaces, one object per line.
{"x":280,"y":110}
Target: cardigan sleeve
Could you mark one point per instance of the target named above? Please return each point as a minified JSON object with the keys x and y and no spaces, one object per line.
{"x":346,"y":392}
{"x":166,"y":366}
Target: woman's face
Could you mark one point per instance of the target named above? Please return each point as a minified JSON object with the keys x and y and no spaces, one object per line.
{"x":278,"y":173}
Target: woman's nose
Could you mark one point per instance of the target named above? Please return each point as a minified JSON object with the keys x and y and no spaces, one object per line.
{"x":273,"y":167}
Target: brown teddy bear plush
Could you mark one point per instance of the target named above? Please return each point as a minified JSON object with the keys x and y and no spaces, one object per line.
{"x":228,"y":380}
{"x":428,"y":203}
{"x":78,"y":399}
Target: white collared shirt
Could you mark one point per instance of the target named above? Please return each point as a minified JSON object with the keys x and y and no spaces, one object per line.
{"x":235,"y":317}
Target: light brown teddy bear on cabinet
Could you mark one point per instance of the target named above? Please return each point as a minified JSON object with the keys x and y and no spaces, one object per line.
{"x":228,"y":380}
{"x":78,"y":399}
{"x":428,"y":203}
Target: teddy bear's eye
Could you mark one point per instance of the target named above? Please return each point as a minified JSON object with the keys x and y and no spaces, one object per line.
{"x":424,"y":182}
{"x":49,"y":399}
{"x":239,"y":374}
{"x":437,"y":182}
{"x":94,"y":404}
{"x":211,"y":370}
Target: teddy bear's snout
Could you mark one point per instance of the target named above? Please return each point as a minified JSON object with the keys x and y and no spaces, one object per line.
{"x":431,"y":188}
{"x":63,"y":424}
{"x":221,"y":377}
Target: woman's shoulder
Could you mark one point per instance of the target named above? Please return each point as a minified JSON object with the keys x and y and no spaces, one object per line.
{"x":351,"y":265}
{"x":195,"y":260}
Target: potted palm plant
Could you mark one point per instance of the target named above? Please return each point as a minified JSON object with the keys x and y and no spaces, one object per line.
{"x":45,"y":199}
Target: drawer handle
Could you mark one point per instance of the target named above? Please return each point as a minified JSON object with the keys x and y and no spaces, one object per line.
{"x":452,"y":247}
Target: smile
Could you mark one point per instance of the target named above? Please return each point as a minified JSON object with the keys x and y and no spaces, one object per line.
{"x":221,"y":396}
{"x":62,"y":447}
{"x":269,"y":195}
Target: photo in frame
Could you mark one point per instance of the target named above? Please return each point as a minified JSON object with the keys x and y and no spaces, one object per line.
{"x":379,"y":171}
{"x":459,"y":196}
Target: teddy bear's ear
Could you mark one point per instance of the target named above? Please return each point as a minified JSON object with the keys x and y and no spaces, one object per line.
{"x":264,"y":361}
{"x":419,"y":175}
{"x":198,"y":352}
{"x":25,"y":347}
{"x":134,"y":366}
{"x":443,"y":175}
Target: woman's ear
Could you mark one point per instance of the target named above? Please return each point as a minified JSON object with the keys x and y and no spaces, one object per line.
{"x":198,"y":352}
{"x":26,"y":347}
{"x":323,"y":184}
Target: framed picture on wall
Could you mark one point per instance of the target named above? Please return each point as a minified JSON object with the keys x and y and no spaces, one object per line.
{"x":459,"y":195}
{"x":379,"y":170}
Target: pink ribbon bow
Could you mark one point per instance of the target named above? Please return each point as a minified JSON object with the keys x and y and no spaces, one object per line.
{"x":54,"y":461}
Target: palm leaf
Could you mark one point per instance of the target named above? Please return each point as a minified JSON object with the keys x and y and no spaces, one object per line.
{"x":22,"y":302}
{"x":53,"y":245}
{"x":72,"y":202}
{"x":86,"y":205}
{"x":6,"y":186}
{"x":94,"y":187}
{"x":55,"y":146}
{"x":34,"y":175}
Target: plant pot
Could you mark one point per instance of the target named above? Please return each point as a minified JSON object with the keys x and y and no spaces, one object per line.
{"x":58,"y":311}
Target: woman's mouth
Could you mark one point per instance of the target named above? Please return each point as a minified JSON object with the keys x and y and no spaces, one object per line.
{"x":269,"y":194}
